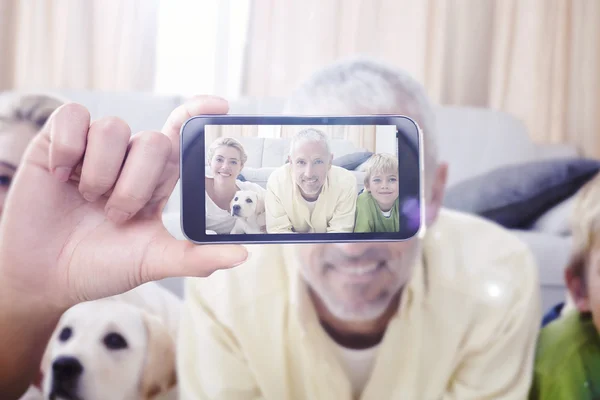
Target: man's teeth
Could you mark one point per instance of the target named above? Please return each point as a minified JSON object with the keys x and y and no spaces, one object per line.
{"x":358,"y":270}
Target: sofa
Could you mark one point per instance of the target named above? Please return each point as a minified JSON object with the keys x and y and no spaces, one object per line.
{"x":473,"y":141}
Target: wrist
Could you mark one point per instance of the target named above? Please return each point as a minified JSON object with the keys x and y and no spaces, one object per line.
{"x":27,"y":325}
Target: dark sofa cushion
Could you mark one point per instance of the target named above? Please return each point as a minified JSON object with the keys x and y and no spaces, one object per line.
{"x":352,"y":160}
{"x":515,"y":196}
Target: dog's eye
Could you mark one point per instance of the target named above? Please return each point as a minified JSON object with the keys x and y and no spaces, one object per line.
{"x":114,"y":341}
{"x":235,"y":199}
{"x":248,"y":200}
{"x":65,"y":334}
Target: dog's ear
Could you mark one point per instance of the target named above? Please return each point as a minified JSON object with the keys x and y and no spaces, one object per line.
{"x":260,"y":203}
{"x":159,"y":374}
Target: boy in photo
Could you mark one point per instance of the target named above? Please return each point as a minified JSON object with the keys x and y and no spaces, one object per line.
{"x":567,"y":362}
{"x":377,"y":206}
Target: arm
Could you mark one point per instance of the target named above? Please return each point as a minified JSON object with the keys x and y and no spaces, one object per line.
{"x":210,"y":362}
{"x":345,"y":210}
{"x":363,"y":222}
{"x":26,"y":330}
{"x":275,"y":215}
{"x":501,"y":367}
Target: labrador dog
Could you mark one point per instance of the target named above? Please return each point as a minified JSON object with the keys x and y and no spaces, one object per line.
{"x":118,"y":348}
{"x":248,"y":208}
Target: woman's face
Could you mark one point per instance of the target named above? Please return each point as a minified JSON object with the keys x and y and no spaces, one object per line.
{"x":226,"y":163}
{"x":14,"y":139}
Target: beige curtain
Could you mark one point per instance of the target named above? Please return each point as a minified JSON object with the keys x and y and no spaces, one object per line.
{"x":362,"y":136}
{"x":214,"y":132}
{"x":535,"y":59}
{"x":78,"y":44}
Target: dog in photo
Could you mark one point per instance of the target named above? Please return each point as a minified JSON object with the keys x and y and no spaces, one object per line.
{"x":118,"y":348}
{"x":248,"y":208}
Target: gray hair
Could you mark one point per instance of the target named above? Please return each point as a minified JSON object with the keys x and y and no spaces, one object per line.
{"x":361,"y":86}
{"x":28,"y":108}
{"x":310,"y":135}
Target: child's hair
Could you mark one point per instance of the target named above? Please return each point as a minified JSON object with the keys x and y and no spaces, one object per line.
{"x":585,"y":227}
{"x":229,"y":142}
{"x":380,"y":162}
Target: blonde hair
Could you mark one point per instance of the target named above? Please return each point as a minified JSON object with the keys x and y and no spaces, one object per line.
{"x":230,"y":142}
{"x":585,"y":226}
{"x":381,"y":162}
{"x":32,"y":109}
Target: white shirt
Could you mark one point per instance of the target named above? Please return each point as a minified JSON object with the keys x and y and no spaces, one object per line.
{"x":311,"y":205}
{"x":219,"y":220}
{"x":387,"y":214}
{"x":358,"y":365}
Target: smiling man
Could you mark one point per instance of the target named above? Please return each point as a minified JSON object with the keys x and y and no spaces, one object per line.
{"x":453,"y":315}
{"x":308,"y":194}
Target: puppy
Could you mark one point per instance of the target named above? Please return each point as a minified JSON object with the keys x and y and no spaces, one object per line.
{"x":118,"y":348}
{"x":248,"y":207}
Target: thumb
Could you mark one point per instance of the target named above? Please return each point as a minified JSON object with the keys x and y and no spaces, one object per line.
{"x":168,"y":257}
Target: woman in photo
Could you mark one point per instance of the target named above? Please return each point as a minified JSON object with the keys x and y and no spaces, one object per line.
{"x":226,"y":159}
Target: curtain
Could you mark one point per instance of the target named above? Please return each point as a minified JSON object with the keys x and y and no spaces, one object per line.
{"x":362,"y":136}
{"x":535,"y":59}
{"x":74,"y":44}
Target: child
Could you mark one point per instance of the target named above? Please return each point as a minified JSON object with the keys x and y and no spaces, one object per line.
{"x":377,"y":205}
{"x":567,"y":364}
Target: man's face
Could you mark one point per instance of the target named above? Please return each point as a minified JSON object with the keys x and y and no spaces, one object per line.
{"x":310,"y":163}
{"x":357,"y":281}
{"x":383,"y":186}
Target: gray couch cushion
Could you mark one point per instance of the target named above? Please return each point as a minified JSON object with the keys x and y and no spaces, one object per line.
{"x":353,"y":160}
{"x":517,"y":195}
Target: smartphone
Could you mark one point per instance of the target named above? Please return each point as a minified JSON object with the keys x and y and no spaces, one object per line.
{"x":250,"y":179}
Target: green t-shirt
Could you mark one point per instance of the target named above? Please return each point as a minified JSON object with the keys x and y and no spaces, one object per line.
{"x":567,"y":365}
{"x":369,"y":217}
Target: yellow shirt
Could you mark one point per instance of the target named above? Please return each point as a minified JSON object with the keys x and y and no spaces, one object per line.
{"x":466,"y":326}
{"x":334,"y":210}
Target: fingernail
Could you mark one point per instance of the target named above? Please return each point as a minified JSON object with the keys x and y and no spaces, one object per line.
{"x":90,"y":197}
{"x":117,"y":215}
{"x":62,"y":173}
{"x":241,"y":262}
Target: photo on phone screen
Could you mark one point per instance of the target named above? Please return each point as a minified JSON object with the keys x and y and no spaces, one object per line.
{"x":300,"y":179}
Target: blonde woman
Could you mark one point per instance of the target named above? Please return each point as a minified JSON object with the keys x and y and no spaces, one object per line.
{"x":226,"y":159}
{"x":21,"y":118}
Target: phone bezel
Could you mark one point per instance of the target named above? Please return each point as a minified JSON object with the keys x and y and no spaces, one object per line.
{"x":190,"y":219}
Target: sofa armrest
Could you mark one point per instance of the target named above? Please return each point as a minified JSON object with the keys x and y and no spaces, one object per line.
{"x":556,"y":220}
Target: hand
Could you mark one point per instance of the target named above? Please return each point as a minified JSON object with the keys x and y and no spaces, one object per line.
{"x":83,"y":217}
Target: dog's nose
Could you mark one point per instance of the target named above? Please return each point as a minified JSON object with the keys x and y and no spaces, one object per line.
{"x":237,"y":207}
{"x":66,"y":368}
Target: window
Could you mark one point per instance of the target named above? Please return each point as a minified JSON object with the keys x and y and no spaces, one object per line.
{"x":200,"y":46}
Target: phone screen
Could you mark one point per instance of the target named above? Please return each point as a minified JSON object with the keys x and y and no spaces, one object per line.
{"x":300,"y":179}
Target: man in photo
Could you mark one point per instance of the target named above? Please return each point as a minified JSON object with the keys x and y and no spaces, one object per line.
{"x":309,"y":194}
{"x":451,"y":315}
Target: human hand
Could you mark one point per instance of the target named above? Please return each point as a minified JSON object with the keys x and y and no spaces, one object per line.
{"x":83,"y":217}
